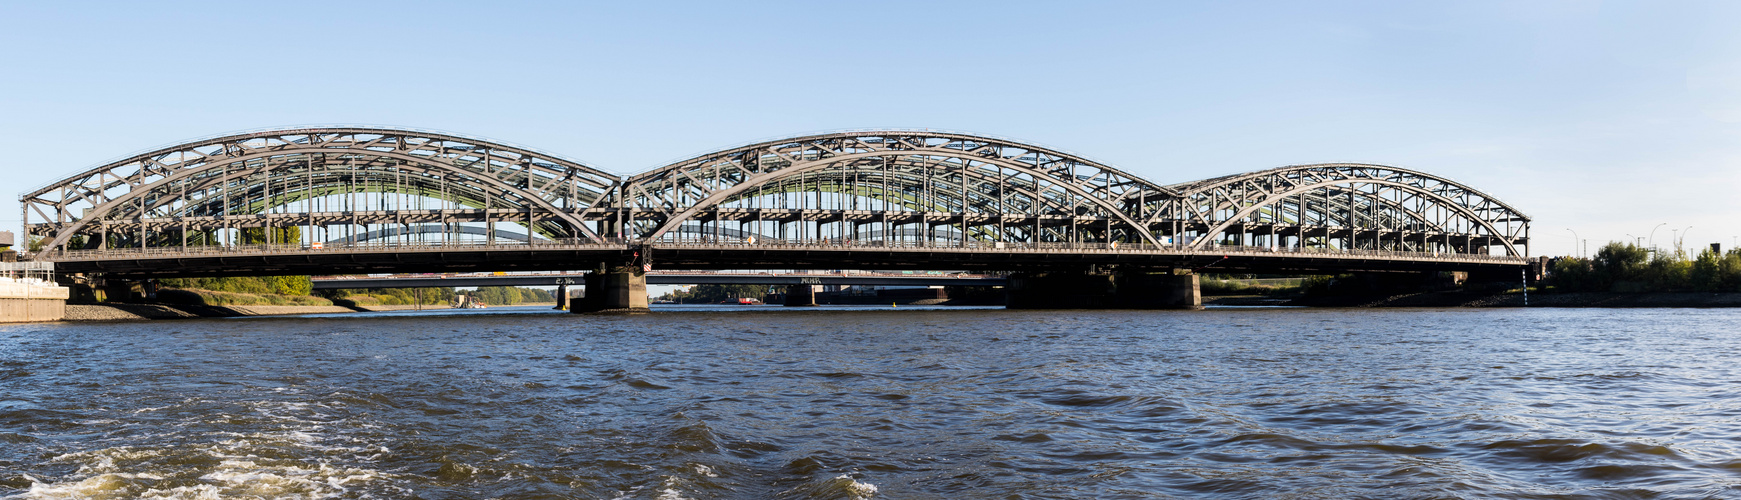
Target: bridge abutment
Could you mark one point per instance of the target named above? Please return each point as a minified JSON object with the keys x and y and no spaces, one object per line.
{"x":32,"y":302}
{"x":618,"y":289}
{"x":1085,"y":290}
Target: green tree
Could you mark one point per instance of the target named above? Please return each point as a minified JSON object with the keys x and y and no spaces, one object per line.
{"x":1706,"y":274}
{"x":499,"y":295}
{"x":1573,"y":274}
{"x":1667,"y":271}
{"x":258,"y":285}
{"x":707,"y":294}
{"x":290,"y":285}
{"x":279,"y":235}
{"x":1617,"y":262}
{"x":391,"y":296}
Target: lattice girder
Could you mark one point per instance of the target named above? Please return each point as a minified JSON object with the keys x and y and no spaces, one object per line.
{"x":1416,"y":202}
{"x":1058,"y":182}
{"x":929,"y":187}
{"x":255,"y":172}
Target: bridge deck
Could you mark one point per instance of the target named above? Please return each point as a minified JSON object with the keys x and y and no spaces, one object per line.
{"x":559,"y":256}
{"x":658,"y":278}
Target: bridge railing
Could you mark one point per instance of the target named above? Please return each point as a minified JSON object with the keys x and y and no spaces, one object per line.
{"x":733,"y":243}
{"x":371,"y":247}
{"x":1102,"y":247}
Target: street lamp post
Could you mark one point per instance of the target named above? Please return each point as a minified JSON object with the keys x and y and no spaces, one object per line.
{"x":1653,"y":236}
{"x":1682,"y":239}
{"x":1575,"y":248}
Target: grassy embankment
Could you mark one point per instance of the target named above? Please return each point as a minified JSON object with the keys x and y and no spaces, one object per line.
{"x":242,"y":291}
{"x":216,"y":298}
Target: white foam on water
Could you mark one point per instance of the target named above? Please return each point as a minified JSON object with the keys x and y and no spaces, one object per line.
{"x":97,"y":487}
{"x":227,"y":468}
{"x":230,"y":479}
{"x":837,"y":487}
{"x":670,"y":492}
{"x":858,"y":490}
{"x":705,"y":470}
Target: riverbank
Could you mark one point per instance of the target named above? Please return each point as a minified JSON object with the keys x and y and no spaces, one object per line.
{"x":141,"y":312}
{"x":138,"y":312}
{"x":402,"y":307}
{"x":1476,"y":299}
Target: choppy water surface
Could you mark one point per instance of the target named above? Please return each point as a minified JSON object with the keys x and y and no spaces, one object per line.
{"x":854,"y":404}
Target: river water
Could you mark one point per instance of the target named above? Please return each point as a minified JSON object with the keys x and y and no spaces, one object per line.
{"x":857,"y":403}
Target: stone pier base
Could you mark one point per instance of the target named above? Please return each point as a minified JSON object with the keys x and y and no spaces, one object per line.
{"x":801,"y":295}
{"x":622,"y":289}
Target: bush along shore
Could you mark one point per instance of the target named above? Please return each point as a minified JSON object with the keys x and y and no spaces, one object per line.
{"x":1626,"y":268}
{"x":1619,"y":275}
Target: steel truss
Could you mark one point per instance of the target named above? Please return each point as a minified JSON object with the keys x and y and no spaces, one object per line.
{"x":907,"y":187}
{"x":351,"y":178}
{"x":1345,"y":206}
{"x":865,"y":188}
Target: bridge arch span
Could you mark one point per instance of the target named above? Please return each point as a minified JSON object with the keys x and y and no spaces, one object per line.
{"x":1413,"y":207}
{"x":318,"y":177}
{"x":976,"y":184}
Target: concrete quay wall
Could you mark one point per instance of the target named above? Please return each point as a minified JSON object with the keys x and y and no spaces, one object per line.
{"x":24,"y":302}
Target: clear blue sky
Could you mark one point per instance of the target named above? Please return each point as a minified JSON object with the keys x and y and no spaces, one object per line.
{"x":1604,"y":117}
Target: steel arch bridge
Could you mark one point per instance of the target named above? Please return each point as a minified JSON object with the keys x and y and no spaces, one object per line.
{"x":334,"y":196}
{"x":207,"y":190}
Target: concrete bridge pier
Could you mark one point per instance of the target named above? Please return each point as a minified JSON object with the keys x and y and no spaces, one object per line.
{"x":562,"y":297}
{"x":800,"y":295}
{"x":1091,"y":290}
{"x":617,"y":289}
